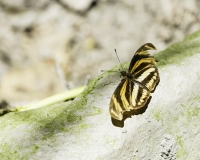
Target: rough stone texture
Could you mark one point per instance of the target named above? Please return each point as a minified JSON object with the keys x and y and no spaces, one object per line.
{"x":47,"y":34}
{"x":23,"y":5}
{"x":82,"y":129}
{"x":79,"y":6}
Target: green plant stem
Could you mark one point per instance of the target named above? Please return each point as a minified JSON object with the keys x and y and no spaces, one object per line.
{"x":53,"y":99}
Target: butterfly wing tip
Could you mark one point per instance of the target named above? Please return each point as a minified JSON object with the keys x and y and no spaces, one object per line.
{"x":118,"y":117}
{"x":151,"y":46}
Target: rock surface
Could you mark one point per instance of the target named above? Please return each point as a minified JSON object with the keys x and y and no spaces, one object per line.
{"x":37,"y":37}
{"x":82,"y":129}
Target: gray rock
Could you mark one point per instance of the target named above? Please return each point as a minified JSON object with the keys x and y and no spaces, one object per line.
{"x":34,"y":33}
{"x":82,"y":129}
{"x":22,"y":5}
{"x":78,"y":6}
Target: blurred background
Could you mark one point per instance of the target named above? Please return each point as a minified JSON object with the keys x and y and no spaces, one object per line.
{"x":50,"y":46}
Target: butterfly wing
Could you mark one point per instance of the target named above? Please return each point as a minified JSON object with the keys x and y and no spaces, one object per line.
{"x":139,"y":96}
{"x":120,"y":100}
{"x":133,"y":93}
{"x":148,"y":77}
{"x":142,"y":59}
{"x":127,"y":96}
{"x":143,"y":67}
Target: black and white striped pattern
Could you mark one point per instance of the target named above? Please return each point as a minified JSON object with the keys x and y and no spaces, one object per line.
{"x":137,"y":84}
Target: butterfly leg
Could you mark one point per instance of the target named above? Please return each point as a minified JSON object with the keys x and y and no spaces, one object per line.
{"x":140,"y":94}
{"x":141,"y":85}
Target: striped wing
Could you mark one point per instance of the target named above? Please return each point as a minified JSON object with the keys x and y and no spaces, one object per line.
{"x":142,"y":59}
{"x":133,"y":93}
{"x":148,"y":77}
{"x":143,"y":67}
{"x":120,"y":100}
{"x":127,"y":96}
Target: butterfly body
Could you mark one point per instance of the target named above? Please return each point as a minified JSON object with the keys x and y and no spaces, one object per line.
{"x":137,"y":84}
{"x":125,"y":75}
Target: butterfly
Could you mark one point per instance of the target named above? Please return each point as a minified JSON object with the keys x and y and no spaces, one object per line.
{"x":137,"y":84}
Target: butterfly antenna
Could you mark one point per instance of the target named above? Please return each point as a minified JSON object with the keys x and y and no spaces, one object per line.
{"x":118,"y":59}
{"x":108,"y":71}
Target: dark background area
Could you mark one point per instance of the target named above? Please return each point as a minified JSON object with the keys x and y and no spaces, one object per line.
{"x":47,"y":47}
